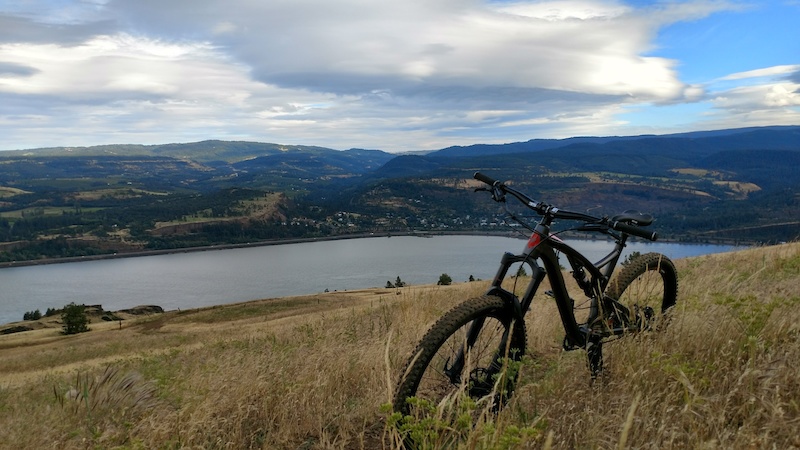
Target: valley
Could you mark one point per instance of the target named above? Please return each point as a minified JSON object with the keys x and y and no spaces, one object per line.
{"x":737,"y":186}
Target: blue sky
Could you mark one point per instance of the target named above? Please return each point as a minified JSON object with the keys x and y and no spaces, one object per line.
{"x":402,"y":76}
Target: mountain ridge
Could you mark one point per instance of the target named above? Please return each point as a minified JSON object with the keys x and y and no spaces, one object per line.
{"x":535,"y":144}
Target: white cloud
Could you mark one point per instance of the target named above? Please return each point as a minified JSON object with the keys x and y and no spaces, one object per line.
{"x":765,"y":96}
{"x":758,"y":98}
{"x":106,"y":68}
{"x":765,"y":72}
{"x":564,"y":10}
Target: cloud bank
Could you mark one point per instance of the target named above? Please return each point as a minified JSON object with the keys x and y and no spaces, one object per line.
{"x":412,"y":75}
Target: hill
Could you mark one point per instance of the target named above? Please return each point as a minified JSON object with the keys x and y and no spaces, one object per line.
{"x":314,"y":372}
{"x":211,"y":151}
{"x":779,"y":137}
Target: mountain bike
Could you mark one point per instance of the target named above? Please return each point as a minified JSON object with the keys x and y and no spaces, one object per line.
{"x":472,"y":349}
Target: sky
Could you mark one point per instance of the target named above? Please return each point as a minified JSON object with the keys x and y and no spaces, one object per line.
{"x":397,"y":76}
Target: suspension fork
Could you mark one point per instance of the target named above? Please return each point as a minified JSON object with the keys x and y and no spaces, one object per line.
{"x":519,"y":309}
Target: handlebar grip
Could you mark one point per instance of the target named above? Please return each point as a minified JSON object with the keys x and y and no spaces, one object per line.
{"x":481,"y":177}
{"x":634,"y":230}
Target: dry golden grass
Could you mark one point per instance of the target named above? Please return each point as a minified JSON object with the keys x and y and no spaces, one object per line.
{"x":6,"y":191}
{"x":313,"y":372}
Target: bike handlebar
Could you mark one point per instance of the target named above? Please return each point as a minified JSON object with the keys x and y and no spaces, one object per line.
{"x":634,"y":230}
{"x":545,"y":209}
{"x":488,"y":180}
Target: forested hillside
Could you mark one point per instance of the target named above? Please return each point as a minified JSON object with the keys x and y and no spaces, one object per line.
{"x":727,"y":185}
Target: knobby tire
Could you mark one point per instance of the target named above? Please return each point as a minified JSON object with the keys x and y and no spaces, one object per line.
{"x":647,"y":280}
{"x":423,"y":375}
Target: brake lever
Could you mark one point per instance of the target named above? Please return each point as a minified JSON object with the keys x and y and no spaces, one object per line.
{"x":497,"y":194}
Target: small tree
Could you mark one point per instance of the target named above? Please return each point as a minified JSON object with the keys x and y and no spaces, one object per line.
{"x":75,"y":319}
{"x":444,"y":280}
{"x":471,"y":278}
{"x":398,"y":282}
{"x":389,"y":285}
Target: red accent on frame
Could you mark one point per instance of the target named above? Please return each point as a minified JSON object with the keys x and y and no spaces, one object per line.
{"x":534,"y":240}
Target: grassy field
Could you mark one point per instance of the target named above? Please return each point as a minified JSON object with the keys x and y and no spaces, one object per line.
{"x":317,"y":372}
{"x":259,"y":208}
{"x":10,"y":192}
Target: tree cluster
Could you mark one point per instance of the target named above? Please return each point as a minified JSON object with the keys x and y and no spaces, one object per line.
{"x":398,"y":283}
{"x":32,"y":315}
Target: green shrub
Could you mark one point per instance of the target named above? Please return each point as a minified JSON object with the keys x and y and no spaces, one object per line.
{"x":75,"y":319}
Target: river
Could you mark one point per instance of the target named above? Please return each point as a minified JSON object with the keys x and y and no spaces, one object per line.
{"x":196,"y":279}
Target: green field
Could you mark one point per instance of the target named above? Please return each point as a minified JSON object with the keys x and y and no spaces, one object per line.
{"x":43,"y":211}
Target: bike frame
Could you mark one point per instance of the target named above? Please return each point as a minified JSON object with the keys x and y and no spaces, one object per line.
{"x":542,"y":247}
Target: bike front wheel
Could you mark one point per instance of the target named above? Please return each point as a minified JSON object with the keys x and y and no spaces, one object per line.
{"x":467,"y":351}
{"x":648,"y":287}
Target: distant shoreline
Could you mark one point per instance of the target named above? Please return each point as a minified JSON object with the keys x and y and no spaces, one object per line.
{"x":43,"y":261}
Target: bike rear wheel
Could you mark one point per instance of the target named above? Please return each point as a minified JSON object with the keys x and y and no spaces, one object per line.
{"x":648,"y":287}
{"x":466,"y":351}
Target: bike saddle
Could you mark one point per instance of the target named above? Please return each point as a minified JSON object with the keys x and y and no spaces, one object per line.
{"x":634,"y":217}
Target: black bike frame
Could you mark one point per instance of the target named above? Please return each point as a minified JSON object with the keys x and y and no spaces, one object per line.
{"x":542,"y":246}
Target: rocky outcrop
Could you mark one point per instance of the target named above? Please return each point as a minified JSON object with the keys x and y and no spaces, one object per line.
{"x":143,"y":310}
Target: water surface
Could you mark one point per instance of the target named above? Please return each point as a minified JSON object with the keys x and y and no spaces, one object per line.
{"x":196,"y":279}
